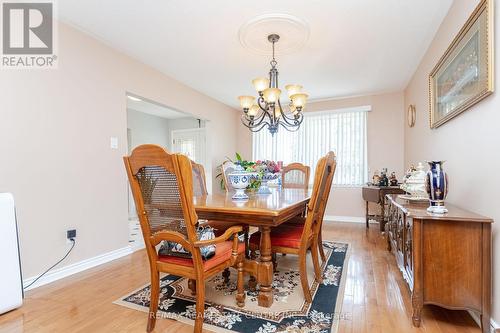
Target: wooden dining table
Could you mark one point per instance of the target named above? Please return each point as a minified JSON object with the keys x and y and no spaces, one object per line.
{"x":264,"y":211}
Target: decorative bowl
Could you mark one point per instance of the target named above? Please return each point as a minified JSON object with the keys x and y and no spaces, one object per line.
{"x":264,"y":189}
{"x":239,"y":180}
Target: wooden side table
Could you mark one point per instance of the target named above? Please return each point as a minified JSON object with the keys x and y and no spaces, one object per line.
{"x":377,"y":194}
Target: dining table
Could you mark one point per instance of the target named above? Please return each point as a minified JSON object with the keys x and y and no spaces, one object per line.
{"x":264,"y":211}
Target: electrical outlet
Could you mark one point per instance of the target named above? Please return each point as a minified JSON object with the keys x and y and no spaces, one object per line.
{"x":70,"y":234}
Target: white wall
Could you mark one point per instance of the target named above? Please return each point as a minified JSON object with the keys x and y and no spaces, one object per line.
{"x":385,"y":145}
{"x":146,"y":128}
{"x":469,"y":143}
{"x":55,"y":130}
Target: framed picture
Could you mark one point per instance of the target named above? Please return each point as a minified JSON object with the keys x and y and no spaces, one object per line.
{"x":464,"y":74}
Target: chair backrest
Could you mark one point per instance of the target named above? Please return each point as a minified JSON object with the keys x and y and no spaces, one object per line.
{"x":199,"y":181}
{"x":295,"y":175}
{"x":162,"y":187}
{"x":329,"y":182}
{"x":322,"y":183}
{"x":227,"y":168}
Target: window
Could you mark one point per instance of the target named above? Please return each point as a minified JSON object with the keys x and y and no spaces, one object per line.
{"x":342,"y":131}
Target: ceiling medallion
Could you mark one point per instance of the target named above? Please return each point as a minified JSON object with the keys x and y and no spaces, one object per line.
{"x":268,"y":112}
{"x":294,"y":33}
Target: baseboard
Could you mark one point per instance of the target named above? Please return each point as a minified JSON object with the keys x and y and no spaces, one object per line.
{"x":77,"y":267}
{"x":494,"y":327}
{"x":136,"y":246}
{"x":350,"y":219}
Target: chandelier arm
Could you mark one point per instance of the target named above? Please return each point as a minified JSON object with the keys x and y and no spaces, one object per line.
{"x":283,"y":113}
{"x":255,"y":129}
{"x":260,"y":102}
{"x":257,"y":121}
{"x":294,"y":127}
{"x":292,"y":121}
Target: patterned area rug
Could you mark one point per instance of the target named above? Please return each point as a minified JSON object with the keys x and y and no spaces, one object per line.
{"x":289,"y":312}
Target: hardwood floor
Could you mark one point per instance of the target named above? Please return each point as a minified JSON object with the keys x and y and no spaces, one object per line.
{"x":376,"y":298}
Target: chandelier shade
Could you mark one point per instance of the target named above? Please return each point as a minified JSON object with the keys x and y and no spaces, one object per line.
{"x":260,"y":83}
{"x":267,"y":111}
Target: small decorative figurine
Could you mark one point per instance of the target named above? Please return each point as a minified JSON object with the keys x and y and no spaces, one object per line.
{"x":376,"y":178}
{"x":384,"y":181}
{"x":393,"y":180}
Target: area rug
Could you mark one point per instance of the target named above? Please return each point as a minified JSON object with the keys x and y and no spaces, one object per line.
{"x":289,"y":312}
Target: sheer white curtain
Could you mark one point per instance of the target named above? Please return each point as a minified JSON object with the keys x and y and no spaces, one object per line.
{"x":343,"y":132}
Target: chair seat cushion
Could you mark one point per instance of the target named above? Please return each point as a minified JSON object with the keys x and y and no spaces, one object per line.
{"x":283,"y":236}
{"x":223,"y":253}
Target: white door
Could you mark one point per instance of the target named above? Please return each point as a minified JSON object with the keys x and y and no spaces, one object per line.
{"x":190,"y":142}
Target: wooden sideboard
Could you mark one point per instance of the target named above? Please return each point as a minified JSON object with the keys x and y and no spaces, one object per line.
{"x":445,"y":259}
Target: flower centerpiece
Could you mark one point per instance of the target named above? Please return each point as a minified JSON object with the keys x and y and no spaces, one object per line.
{"x":266,"y":171}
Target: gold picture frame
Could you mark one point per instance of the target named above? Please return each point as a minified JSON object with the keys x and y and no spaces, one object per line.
{"x":464,"y":74}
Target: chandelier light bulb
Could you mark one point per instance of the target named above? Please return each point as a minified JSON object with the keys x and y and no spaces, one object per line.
{"x":293,"y":89}
{"x":299,"y":100}
{"x":246,"y":102}
{"x":260,"y":84}
{"x":271,"y":95}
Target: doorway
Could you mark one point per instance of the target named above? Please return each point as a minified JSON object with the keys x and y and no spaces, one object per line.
{"x":149,"y":122}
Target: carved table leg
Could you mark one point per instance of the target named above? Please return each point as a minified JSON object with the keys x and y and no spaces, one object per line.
{"x":265,"y":271}
{"x":382,"y":215}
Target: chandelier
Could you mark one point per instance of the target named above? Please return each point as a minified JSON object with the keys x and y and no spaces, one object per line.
{"x":268,"y":110}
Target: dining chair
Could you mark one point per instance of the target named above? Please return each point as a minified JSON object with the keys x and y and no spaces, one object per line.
{"x":298,"y":221}
{"x":162,"y":186}
{"x":219,"y":227}
{"x":300,"y":238}
{"x":199,"y":180}
{"x":295,"y":175}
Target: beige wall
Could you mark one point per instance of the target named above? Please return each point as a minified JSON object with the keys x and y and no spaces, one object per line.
{"x":469,"y":143}
{"x":385,"y":144}
{"x":55,"y":133}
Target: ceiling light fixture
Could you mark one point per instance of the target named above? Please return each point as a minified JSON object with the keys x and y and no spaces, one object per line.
{"x":268,"y":111}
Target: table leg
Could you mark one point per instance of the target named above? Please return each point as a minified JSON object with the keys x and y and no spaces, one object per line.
{"x":265,"y":270}
{"x":367,"y":216}
{"x":382,"y":215}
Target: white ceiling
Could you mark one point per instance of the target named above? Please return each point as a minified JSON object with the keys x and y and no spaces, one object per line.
{"x":154,"y":109}
{"x":355,"y":47}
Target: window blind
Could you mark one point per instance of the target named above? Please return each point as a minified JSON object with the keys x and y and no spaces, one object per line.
{"x":343,"y":132}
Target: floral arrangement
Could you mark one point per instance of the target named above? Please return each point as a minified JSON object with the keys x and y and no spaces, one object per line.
{"x":265,"y":166}
{"x":259,"y":167}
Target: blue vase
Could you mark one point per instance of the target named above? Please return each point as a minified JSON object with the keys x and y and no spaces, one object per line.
{"x":437,"y":187}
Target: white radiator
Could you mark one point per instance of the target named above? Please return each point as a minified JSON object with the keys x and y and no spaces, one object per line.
{"x":11,"y":286}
